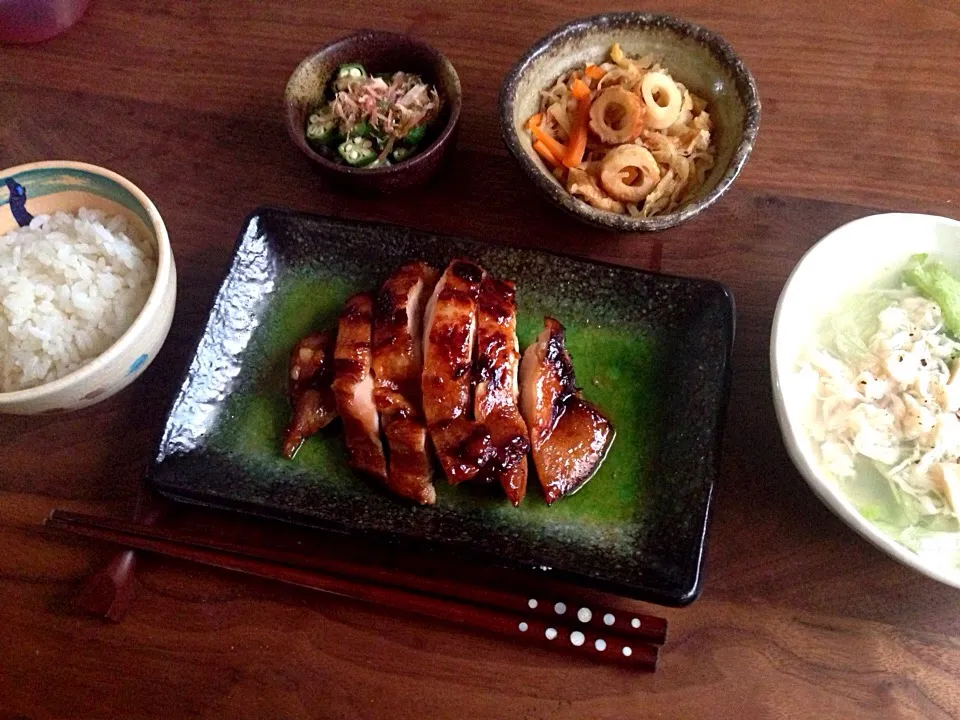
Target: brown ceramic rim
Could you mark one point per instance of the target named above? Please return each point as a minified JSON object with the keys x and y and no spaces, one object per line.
{"x":720,"y":49}
{"x":454,"y":99}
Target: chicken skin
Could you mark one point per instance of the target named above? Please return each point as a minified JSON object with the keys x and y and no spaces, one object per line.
{"x":569,"y":436}
{"x":353,"y":387}
{"x":495,"y":401}
{"x":313,"y":405}
{"x":450,"y":328}
{"x":398,"y":369}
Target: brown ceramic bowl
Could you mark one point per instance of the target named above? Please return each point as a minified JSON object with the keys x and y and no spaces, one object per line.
{"x":378,"y":52}
{"x":699,"y":58}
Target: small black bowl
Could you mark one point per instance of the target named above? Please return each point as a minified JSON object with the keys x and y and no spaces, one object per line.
{"x":699,"y":58}
{"x":378,"y":52}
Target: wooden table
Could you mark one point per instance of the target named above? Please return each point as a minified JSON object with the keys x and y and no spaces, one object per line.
{"x":799,"y":616}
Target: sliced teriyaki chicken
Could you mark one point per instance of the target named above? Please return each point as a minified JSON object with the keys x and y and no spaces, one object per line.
{"x":464,"y":447}
{"x":397,"y":371}
{"x":450,"y":328}
{"x":568,"y":435}
{"x":353,"y":387}
{"x":313,"y":405}
{"x":495,"y":402}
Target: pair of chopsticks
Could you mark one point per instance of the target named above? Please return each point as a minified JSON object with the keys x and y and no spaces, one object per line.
{"x":580,"y":629}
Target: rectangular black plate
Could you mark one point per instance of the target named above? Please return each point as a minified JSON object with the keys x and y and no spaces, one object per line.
{"x":651,"y":351}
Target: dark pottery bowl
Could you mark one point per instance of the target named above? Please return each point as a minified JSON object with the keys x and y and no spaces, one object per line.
{"x":699,"y":58}
{"x":378,"y":52}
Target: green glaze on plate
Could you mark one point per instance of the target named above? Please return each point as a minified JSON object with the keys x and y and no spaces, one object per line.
{"x":622,"y":530}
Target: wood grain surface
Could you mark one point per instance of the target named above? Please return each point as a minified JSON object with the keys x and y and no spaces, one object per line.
{"x":799,"y":617}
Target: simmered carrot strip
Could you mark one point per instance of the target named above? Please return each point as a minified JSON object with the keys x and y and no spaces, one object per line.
{"x":534,"y":120}
{"x":594,"y":71}
{"x":552,"y":144}
{"x":577,"y":144}
{"x":580,"y":90}
{"x":545,"y":153}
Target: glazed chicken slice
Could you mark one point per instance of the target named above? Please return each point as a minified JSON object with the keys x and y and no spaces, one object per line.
{"x":450,"y":324}
{"x":569,"y":436}
{"x":464,"y":448}
{"x":312,"y":403}
{"x":495,"y":402}
{"x":353,"y":387}
{"x":397,"y":371}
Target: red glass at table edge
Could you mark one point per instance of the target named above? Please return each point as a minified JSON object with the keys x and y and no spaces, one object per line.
{"x":30,"y":21}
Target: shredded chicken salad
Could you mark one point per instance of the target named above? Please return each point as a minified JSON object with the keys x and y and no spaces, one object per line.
{"x":885,"y":409}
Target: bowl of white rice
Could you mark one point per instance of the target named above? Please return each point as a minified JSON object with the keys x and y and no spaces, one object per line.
{"x":87,"y":285}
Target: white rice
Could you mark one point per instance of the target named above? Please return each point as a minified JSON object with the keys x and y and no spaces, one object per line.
{"x":70,"y":285}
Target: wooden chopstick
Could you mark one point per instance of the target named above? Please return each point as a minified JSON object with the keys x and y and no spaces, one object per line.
{"x":632,"y":626}
{"x":563,"y":632}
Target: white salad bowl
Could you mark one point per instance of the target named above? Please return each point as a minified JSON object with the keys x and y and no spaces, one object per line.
{"x":852,"y":258}
{"x":47,"y":187}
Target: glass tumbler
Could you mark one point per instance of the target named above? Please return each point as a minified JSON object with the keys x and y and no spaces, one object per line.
{"x":29,"y":21}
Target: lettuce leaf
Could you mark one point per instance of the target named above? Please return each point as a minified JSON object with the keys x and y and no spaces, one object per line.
{"x":848,"y":330}
{"x":938,"y":284}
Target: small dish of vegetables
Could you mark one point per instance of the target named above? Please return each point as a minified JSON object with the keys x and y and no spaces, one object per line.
{"x":375,"y":111}
{"x":372,"y":120}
